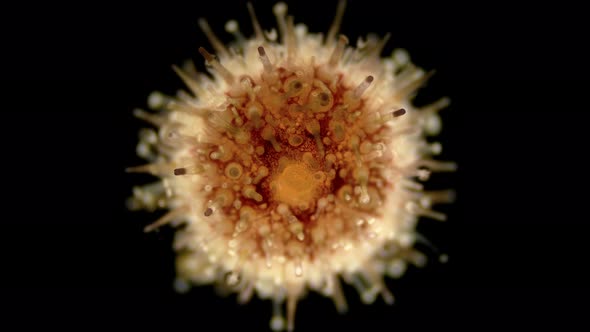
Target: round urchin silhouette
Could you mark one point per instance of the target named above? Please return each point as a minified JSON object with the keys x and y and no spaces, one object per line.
{"x":294,"y":164}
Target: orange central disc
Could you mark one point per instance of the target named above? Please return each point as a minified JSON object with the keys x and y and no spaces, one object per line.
{"x":295,"y":185}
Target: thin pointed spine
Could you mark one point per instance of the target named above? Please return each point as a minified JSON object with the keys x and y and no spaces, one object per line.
{"x":213,"y":40}
{"x":280,"y":11}
{"x":338,"y":51}
{"x":165,"y":219}
{"x":335,"y":27}
{"x":290,"y":39}
{"x":191,"y":83}
{"x":255,"y":24}
{"x":291,"y":309}
{"x":265,"y":60}
{"x":213,"y":62}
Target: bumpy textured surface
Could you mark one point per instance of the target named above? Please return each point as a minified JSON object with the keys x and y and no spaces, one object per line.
{"x":293,"y":166}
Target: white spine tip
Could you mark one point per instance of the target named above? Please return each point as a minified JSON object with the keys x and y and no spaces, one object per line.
{"x":277,"y":323}
{"x":156,"y":100}
{"x":401,"y":56}
{"x":231,"y":26}
{"x":232,"y":279}
{"x":298,"y":270}
{"x":280,"y":9}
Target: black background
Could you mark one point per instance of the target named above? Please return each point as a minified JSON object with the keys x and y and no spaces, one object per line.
{"x":73,"y":257}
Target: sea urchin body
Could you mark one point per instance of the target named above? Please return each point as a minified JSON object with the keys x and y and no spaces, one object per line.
{"x":293,"y":166}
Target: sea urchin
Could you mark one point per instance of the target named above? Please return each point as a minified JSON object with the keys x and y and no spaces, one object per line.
{"x":293,"y":165}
